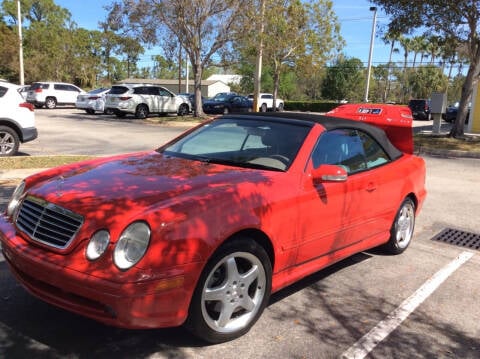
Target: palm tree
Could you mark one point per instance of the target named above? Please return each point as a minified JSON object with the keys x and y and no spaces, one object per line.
{"x":389,"y":38}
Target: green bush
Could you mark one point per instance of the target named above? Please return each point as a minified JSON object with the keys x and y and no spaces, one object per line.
{"x":311,"y":106}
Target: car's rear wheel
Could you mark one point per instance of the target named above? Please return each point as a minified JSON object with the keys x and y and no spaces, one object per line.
{"x":9,"y":141}
{"x":401,"y":232}
{"x":263,"y":108}
{"x":232,"y":291}
{"x":50,"y":102}
{"x":141,"y":111}
{"x":183,"y":109}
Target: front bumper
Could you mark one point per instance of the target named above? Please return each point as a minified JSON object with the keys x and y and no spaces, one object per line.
{"x":141,"y":304}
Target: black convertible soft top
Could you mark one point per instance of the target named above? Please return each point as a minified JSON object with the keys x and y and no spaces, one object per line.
{"x":330,"y":123}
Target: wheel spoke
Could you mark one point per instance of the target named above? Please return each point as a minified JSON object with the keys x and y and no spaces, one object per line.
{"x":215,"y":294}
{"x":232,"y":270}
{"x":226,"y":313}
{"x":250,"y":276}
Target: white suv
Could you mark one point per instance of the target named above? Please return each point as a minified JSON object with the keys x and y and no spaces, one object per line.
{"x":51,"y":94}
{"x":265,"y":102}
{"x":143,"y":99}
{"x":17,"y":119}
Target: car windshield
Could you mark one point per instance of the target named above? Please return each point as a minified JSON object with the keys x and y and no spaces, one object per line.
{"x":242,"y":142}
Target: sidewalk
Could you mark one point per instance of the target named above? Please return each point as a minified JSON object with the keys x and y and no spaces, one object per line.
{"x":18,"y":173}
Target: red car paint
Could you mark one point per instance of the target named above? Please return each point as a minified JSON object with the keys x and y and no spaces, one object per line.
{"x":395,"y":120}
{"x":192,"y":207}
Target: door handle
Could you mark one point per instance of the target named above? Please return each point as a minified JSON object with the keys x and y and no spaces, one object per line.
{"x":371,"y":187}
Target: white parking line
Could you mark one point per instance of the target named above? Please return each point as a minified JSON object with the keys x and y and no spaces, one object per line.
{"x":370,"y":340}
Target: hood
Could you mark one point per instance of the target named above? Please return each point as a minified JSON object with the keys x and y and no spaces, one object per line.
{"x":132,"y":183}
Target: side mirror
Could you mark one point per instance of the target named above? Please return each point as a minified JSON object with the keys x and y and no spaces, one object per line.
{"x":329,"y":173}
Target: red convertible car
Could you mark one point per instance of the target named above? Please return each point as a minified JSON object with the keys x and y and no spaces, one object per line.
{"x":202,"y":230}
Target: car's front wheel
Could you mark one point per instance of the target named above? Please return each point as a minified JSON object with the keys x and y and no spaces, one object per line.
{"x":9,"y":141}
{"x":141,"y":111}
{"x":401,"y":232}
{"x":232,"y":291}
{"x":183,"y":109}
{"x":50,"y":102}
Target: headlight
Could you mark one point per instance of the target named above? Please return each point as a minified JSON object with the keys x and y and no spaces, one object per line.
{"x":15,"y":200}
{"x":98,"y":245}
{"x":132,"y":245}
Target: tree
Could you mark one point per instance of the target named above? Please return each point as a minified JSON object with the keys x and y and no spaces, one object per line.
{"x":456,"y":21}
{"x":344,"y":80}
{"x":202,"y":27}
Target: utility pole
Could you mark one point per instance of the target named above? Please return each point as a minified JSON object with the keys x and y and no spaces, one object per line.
{"x":258,"y":63}
{"x":372,"y":39}
{"x":20,"y":41}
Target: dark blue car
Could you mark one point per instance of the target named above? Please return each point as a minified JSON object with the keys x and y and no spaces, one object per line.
{"x":229,"y":103}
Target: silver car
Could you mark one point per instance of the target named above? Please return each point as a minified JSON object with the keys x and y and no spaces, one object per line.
{"x":143,"y":99}
{"x":93,"y":101}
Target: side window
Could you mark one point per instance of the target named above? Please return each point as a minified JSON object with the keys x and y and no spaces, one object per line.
{"x":375,"y":155}
{"x":142,"y":90}
{"x":163,"y":92}
{"x":60,"y":87}
{"x":342,"y":147}
{"x":71,"y":88}
{"x":3,"y":91}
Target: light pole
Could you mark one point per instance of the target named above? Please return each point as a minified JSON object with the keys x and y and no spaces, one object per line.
{"x":372,"y":39}
{"x":20,"y":40}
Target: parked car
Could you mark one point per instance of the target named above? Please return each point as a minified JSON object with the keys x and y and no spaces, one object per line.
{"x":191,"y":99}
{"x":144,"y":99}
{"x":202,"y":230}
{"x":265,"y":102}
{"x":223,"y":104}
{"x":51,"y":94}
{"x":23,"y":90}
{"x":450,"y":114}
{"x":93,"y":101}
{"x":17,"y":119}
{"x":420,"y":109}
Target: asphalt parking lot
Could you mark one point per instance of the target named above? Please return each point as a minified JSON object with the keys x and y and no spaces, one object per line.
{"x":421,"y":304}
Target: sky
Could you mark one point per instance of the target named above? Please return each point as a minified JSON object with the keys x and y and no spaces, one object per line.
{"x":354,"y":16}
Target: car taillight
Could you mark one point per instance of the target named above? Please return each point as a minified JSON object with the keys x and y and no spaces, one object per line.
{"x":94,"y":97}
{"x":27,"y":105}
{"x":38,"y":90}
{"x":125,"y":98}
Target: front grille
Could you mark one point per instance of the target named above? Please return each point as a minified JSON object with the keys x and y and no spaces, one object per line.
{"x":48,"y":223}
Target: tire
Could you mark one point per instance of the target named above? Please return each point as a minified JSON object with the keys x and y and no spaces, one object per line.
{"x":401,"y":232}
{"x":232,"y":291}
{"x":141,"y":111}
{"x":9,"y":141}
{"x":50,"y":103}
{"x":109,"y":111}
{"x":90,"y":111}
{"x":263,"y":108}
{"x":183,"y":109}
{"x":280,"y":107}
